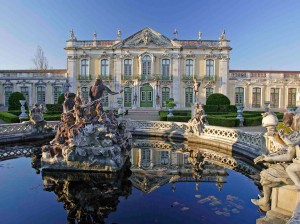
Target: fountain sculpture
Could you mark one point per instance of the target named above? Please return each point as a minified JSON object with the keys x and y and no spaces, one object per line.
{"x":88,"y":138}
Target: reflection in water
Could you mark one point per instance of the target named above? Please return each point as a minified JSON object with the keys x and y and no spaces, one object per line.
{"x":88,"y":197}
{"x":91,"y":197}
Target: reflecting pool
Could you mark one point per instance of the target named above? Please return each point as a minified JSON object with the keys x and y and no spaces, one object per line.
{"x":160,"y":184}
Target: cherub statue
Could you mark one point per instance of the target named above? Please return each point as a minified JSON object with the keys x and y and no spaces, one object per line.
{"x":285,"y":168}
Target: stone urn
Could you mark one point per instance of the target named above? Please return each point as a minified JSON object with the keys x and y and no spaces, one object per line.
{"x":170,"y":114}
{"x":240,"y":109}
{"x":270,"y":121}
{"x":23,"y":110}
{"x":291,"y":109}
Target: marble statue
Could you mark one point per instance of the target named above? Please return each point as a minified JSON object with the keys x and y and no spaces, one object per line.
{"x":198,"y":122}
{"x":37,"y":121}
{"x":196,"y":90}
{"x":284,"y":167}
{"x":88,"y":138}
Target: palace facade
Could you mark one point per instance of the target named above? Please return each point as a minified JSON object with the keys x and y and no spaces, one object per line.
{"x":152,"y":68}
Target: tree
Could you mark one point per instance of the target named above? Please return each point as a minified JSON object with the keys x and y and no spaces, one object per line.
{"x":14,"y":101}
{"x":40,"y":61}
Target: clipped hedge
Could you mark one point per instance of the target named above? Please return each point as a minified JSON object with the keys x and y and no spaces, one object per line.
{"x":217,"y":99}
{"x":8,"y":117}
{"x":54,"y":117}
{"x":54,"y":107}
{"x":14,"y":101}
{"x":220,"y":108}
{"x":179,"y":118}
{"x":252,"y":121}
{"x":224,"y":122}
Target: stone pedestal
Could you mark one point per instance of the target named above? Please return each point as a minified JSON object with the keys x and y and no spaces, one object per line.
{"x":284,"y":202}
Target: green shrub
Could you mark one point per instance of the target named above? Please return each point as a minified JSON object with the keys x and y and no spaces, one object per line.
{"x":54,"y":107}
{"x":224,"y":122}
{"x":61,"y":98}
{"x":17,"y":112}
{"x":179,"y":118}
{"x":217,"y":99}
{"x":219,"y":108}
{"x":211,"y":108}
{"x":54,"y":117}
{"x":14,"y":101}
{"x":163,"y":118}
{"x":253,"y":121}
{"x":8,"y":117}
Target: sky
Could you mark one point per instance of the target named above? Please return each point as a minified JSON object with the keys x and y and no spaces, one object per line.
{"x":264,"y":34}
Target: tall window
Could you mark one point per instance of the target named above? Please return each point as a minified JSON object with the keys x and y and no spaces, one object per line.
{"x":127,"y":67}
{"x":292,"y":97}
{"x":56,"y":93}
{"x":274,"y":98}
{"x":164,"y":157}
{"x":8,"y":91}
{"x":165,"y":69}
{"x":104,"y":68}
{"x":146,"y":66}
{"x":127,"y":97}
{"x":209,"y":91}
{"x":189,"y":68}
{"x":25,"y":92}
{"x":239,"y":96}
{"x":256,"y":97}
{"x":85,"y":93}
{"x":40,"y":94}
{"x":84,"y":68}
{"x":145,"y":160}
{"x":188,"y":97}
{"x":210,"y":68}
{"x":165,"y":95}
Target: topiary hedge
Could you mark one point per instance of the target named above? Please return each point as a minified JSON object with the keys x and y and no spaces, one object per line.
{"x":14,"y":101}
{"x":252,"y":121}
{"x":54,"y":107}
{"x":224,"y":122}
{"x":8,"y":117}
{"x":220,"y":108}
{"x":217,"y":99}
{"x":179,"y":118}
{"x":61,"y":98}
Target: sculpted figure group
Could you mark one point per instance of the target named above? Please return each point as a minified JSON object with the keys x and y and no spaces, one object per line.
{"x":284,"y":165}
{"x":36,"y":116}
{"x":88,"y":135}
{"x":198,"y":122}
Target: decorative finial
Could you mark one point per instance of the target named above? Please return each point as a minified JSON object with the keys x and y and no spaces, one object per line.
{"x":199,"y":36}
{"x":175,"y":34}
{"x":223,"y":36}
{"x":119,"y":33}
{"x":95,"y":35}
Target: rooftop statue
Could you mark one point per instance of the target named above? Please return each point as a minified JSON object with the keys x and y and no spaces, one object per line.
{"x":284,"y":165}
{"x":87,"y":138}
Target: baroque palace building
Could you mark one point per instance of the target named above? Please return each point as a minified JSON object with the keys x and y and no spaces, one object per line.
{"x":152,"y":68}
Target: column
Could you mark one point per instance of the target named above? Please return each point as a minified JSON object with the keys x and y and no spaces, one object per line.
{"x":72,"y":72}
{"x":176,"y":80}
{"x":117,"y":77}
{"x":223,"y":76}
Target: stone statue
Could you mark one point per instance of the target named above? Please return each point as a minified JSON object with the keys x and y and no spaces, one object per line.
{"x":198,"y":122}
{"x":87,"y":138}
{"x":68,"y":103}
{"x":199,"y":36}
{"x":284,"y":167}
{"x":134,"y":99}
{"x":223,"y":36}
{"x":97,"y":90}
{"x":37,"y":121}
{"x":157,"y":100}
{"x":196,"y":90}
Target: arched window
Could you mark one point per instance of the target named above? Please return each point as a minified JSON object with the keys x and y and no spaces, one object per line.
{"x":145,"y":160}
{"x":188,"y":97}
{"x":127,"y":69}
{"x":292,"y":97}
{"x":256,"y":97}
{"x":210,"y":68}
{"x":146,"y":67}
{"x":165,"y":95}
{"x":165,"y":69}
{"x":25,"y":92}
{"x":85,"y":93}
{"x":104,"y":68}
{"x":274,"y":98}
{"x":40,"y":94}
{"x":189,"y":70}
{"x":239,"y":96}
{"x":84,"y":69}
{"x":8,"y":90}
{"x":209,"y":91}
{"x":56,"y":93}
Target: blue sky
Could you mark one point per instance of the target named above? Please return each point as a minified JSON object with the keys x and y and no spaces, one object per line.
{"x":264,"y":34}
